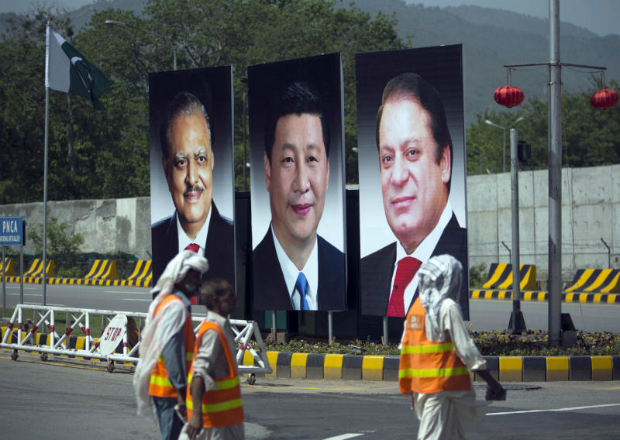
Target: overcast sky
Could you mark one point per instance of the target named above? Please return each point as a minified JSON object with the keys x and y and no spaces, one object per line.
{"x":599,"y":16}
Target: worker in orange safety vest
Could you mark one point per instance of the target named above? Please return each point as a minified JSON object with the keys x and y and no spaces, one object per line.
{"x":214,"y":406}
{"x":437,"y":355}
{"x":167,"y":345}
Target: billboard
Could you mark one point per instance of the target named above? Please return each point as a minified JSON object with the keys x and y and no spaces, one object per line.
{"x":191,"y":163}
{"x":297,"y":199}
{"x":412,"y":172}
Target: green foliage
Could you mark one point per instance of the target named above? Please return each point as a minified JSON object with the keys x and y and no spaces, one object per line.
{"x":477,"y":275}
{"x":62,"y":246}
{"x":491,"y":343}
{"x":590,"y":137}
{"x":105,"y":154}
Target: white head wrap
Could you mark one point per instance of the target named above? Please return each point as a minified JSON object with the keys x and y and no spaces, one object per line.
{"x":161,"y":327}
{"x":440,"y":278}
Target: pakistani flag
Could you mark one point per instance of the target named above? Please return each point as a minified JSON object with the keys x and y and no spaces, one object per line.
{"x":66,"y":70}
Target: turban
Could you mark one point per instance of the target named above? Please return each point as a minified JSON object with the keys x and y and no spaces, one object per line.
{"x":440,"y":278}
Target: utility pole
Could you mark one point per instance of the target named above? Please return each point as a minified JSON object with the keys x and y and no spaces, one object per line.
{"x":555,"y":169}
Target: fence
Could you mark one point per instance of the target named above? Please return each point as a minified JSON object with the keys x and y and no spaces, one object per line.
{"x":18,"y":336}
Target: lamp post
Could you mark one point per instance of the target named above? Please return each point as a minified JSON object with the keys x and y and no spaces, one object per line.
{"x":129,"y":26}
{"x":487,"y":121}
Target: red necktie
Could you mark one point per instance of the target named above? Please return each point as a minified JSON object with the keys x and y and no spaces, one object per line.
{"x":193,"y":247}
{"x":406,"y":270}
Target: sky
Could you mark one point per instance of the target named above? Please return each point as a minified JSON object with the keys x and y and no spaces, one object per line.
{"x":599,"y":16}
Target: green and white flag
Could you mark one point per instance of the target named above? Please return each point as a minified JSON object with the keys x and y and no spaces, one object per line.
{"x":66,"y":70}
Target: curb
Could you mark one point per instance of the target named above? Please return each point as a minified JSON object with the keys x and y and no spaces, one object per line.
{"x":287,"y":365}
{"x":597,"y":298}
{"x":385,"y":368}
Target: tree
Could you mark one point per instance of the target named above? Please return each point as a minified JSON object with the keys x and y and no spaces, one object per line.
{"x":62,"y":247}
{"x":590,"y":137}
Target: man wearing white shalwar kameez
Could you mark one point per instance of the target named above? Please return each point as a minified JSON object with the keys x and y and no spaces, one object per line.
{"x":446,"y":403}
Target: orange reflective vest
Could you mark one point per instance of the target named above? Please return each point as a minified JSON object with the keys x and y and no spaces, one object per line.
{"x":160,"y":385}
{"x":427,"y":366}
{"x":221,"y":405}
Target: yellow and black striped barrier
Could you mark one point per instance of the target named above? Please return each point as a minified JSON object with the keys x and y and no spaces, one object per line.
{"x":102,"y":273}
{"x":597,"y":298}
{"x":596,"y":281}
{"x":500,"y":277}
{"x":7,"y":267}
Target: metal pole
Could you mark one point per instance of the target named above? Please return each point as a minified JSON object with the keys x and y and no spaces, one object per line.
{"x":608,"y":254}
{"x":3,"y":283}
{"x":47,"y":112}
{"x":517,"y":323}
{"x":273,"y":326}
{"x":504,"y":155}
{"x":555,"y":176}
{"x":21,"y":275}
{"x":385,"y":330}
{"x":330,"y":329}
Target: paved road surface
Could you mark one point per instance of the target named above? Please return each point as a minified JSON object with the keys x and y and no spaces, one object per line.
{"x":485,"y":314}
{"x":65,"y":399}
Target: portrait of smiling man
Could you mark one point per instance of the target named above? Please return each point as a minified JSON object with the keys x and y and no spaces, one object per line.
{"x":188,"y":163}
{"x":294,"y":268}
{"x":416,"y":160}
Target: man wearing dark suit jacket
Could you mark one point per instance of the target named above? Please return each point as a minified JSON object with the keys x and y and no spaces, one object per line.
{"x":415,"y":160}
{"x":293,"y":267}
{"x":196,"y":224}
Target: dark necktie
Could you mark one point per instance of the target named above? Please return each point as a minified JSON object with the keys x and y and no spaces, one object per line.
{"x":406,"y":270}
{"x":193,"y":247}
{"x":302,"y":287}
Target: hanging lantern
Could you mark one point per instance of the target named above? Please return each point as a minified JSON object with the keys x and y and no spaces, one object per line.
{"x":508,"y":96}
{"x":604,"y":99}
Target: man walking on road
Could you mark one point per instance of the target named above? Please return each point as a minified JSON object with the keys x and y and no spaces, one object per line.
{"x":160,"y":379}
{"x":436,"y":354}
{"x":214,"y":407}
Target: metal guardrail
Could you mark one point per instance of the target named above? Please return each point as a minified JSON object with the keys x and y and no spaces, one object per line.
{"x":76,"y":318}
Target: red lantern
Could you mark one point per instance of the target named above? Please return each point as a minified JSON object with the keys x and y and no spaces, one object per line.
{"x":508,"y":96}
{"x":604,"y":98}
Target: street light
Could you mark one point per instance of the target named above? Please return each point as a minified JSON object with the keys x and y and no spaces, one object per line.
{"x":504,"y":130}
{"x":129,"y":26}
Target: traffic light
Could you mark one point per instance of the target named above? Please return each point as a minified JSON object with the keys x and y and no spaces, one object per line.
{"x":524,"y":151}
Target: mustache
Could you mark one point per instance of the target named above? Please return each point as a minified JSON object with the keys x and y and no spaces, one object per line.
{"x":194,"y":188}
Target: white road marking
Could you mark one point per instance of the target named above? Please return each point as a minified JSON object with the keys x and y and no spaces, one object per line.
{"x":343,"y":436}
{"x":126,"y":293}
{"x":575,"y":408}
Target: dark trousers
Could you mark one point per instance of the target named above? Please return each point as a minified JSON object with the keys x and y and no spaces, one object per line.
{"x":170,"y":424}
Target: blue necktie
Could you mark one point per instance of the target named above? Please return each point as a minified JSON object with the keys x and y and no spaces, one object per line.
{"x":302,"y":287}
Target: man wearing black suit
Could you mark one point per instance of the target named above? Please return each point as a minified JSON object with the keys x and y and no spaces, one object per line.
{"x":293,"y":267}
{"x":415,"y":160}
{"x":196,"y":224}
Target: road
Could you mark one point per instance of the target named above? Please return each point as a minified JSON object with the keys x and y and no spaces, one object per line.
{"x":485,"y":314}
{"x":70,"y":399}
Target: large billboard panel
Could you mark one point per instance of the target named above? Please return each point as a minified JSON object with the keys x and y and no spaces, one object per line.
{"x":297,"y":200}
{"x":412,"y":172}
{"x":192,"y":174}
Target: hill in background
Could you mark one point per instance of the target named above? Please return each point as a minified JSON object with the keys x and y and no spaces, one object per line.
{"x":490,"y":39}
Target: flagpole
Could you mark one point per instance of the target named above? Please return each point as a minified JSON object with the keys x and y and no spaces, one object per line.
{"x":47,"y":117}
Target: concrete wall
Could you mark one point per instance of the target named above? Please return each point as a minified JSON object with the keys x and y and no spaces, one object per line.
{"x":107,"y":226}
{"x":590,"y":211}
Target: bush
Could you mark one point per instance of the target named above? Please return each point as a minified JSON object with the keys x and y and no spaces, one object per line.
{"x":477,"y":276}
{"x":491,"y":343}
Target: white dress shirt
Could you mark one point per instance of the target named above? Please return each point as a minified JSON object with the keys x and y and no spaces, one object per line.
{"x":290,"y":272}
{"x":201,"y":238}
{"x":423,"y":253}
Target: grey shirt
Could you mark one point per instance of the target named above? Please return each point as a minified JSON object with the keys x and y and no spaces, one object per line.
{"x":174,"y":351}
